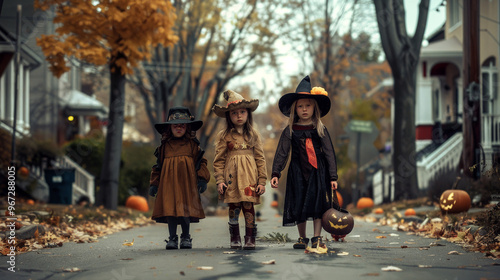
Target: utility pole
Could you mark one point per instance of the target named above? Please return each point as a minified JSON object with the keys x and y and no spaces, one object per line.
{"x":471,"y":90}
{"x":17,"y":63}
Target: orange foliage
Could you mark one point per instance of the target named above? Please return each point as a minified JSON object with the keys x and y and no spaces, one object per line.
{"x":120,"y":33}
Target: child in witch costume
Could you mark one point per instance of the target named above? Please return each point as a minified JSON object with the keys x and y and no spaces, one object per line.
{"x":239,"y":165}
{"x":175,"y":181}
{"x":312,"y":174}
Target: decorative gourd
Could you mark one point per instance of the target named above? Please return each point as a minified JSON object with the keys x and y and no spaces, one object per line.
{"x":410,"y":212}
{"x":340,"y":199}
{"x":379,"y":211}
{"x":454,"y":201}
{"x":337,"y":222}
{"x":364,"y":202}
{"x":23,"y":172}
{"x":137,"y":202}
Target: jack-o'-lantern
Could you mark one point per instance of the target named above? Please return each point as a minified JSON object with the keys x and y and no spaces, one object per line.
{"x":137,"y":202}
{"x":337,"y":222}
{"x":454,"y":201}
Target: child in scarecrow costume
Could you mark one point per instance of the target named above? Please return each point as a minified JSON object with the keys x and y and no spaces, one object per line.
{"x":175,"y":181}
{"x":312,"y":174}
{"x":239,"y":165}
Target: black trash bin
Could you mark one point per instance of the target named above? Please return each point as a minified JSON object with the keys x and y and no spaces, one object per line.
{"x":60,"y":181}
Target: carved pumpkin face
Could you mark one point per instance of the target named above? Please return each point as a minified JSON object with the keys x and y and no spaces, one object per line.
{"x":337,"y":222}
{"x":454,"y":201}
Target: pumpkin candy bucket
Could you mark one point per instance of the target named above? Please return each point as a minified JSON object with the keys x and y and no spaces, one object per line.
{"x":337,"y":221}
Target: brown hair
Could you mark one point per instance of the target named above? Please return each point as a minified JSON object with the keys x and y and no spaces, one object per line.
{"x":249,"y":133}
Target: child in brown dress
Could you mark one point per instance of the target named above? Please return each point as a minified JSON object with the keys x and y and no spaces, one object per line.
{"x":239,"y":165}
{"x":174,"y":181}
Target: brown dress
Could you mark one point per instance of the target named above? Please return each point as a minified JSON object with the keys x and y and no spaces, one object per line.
{"x":176,"y":179}
{"x":241,"y":167}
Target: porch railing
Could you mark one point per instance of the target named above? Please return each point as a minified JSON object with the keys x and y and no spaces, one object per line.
{"x":490,"y":132}
{"x":84,"y":181}
{"x":444,"y":158}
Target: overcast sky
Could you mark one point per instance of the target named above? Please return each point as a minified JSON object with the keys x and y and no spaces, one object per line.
{"x":289,"y":64}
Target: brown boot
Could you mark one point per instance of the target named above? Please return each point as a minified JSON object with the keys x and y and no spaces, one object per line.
{"x":234,"y":231}
{"x":250,"y":238}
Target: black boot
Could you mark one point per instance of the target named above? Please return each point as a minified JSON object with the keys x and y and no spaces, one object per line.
{"x":172,"y":243}
{"x":186,"y":241}
{"x":234,"y":231}
{"x":317,"y":242}
{"x":301,"y":243}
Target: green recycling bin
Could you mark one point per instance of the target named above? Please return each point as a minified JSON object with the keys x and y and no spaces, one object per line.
{"x":60,"y":181}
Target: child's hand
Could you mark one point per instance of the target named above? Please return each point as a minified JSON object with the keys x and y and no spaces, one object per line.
{"x":221,"y":187}
{"x":153,"y":191}
{"x":274,"y":182}
{"x":260,"y":189}
{"x":334,"y":185}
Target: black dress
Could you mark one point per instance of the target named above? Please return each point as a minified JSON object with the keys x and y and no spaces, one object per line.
{"x":308,"y":190}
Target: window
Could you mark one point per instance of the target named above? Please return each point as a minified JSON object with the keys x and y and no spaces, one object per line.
{"x":489,"y":76}
{"x":455,"y":15}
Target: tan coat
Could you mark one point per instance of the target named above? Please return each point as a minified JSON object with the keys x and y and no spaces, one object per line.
{"x":241,"y":167}
{"x":177,"y":181}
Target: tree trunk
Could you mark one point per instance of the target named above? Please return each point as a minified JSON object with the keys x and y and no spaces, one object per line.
{"x":112,"y":153}
{"x":403,"y":158}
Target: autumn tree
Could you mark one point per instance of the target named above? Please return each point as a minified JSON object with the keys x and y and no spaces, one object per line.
{"x":402,"y":52}
{"x":339,"y":54}
{"x":119,"y":34}
{"x":218,"y":41}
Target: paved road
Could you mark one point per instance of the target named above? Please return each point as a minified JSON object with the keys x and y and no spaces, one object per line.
{"x":148,"y":259}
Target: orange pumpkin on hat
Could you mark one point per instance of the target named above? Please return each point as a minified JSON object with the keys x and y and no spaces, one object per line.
{"x":454,"y":201}
{"x":137,"y":202}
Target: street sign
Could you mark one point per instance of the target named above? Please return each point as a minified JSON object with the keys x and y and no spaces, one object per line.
{"x":361,"y":126}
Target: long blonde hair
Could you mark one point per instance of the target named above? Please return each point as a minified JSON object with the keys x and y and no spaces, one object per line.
{"x":316,"y":119}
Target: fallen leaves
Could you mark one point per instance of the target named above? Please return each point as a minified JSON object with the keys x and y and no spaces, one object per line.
{"x":129,"y":243}
{"x":72,"y":269}
{"x":269,"y":262}
{"x":205,"y":268}
{"x":70,"y":224}
{"x":391,"y":268}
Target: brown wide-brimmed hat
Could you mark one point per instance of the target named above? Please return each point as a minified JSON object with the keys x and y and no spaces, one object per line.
{"x":179,"y":115}
{"x":304,"y":90}
{"x":234,"y":101}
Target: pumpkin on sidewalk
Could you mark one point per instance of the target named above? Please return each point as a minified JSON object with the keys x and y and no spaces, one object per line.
{"x":137,"y":202}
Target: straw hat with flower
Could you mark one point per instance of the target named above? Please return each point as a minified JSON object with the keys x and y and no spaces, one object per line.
{"x":304,"y":90}
{"x":234,"y":101}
